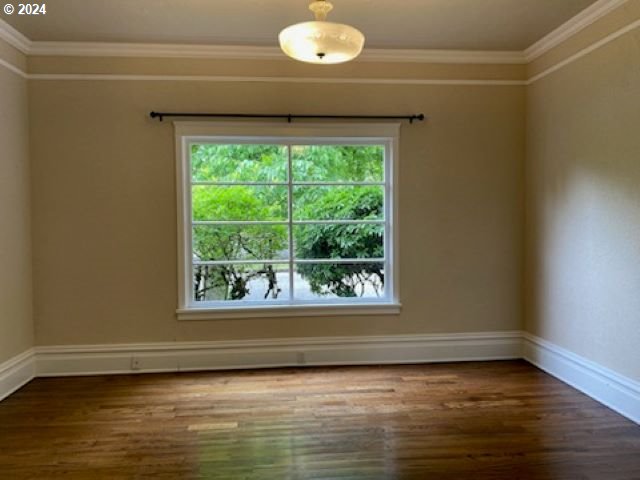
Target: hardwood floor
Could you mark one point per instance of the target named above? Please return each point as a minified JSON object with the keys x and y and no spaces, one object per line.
{"x":486,"y":420}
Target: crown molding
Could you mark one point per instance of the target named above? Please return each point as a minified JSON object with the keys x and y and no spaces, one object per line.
{"x":14,"y":38}
{"x":568,"y":29}
{"x":98,"y":49}
{"x":585,"y":51}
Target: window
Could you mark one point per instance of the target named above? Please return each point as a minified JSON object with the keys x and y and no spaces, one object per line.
{"x":286,"y":219}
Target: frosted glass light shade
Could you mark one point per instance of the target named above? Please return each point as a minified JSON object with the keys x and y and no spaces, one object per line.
{"x":321,"y":42}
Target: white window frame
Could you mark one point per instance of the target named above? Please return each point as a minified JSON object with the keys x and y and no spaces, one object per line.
{"x":188,"y":133}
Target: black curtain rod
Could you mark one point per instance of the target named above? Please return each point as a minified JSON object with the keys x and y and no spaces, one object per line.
{"x":288,"y":117}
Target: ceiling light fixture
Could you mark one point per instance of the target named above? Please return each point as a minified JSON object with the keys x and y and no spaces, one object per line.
{"x":320,"y":41}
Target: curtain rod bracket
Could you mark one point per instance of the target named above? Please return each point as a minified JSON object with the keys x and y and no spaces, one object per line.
{"x":157,"y":115}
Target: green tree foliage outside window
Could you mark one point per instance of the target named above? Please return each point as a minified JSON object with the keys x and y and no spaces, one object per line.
{"x":327,"y":241}
{"x":269,"y":164}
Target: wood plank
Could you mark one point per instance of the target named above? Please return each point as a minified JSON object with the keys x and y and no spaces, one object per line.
{"x":482,"y":420}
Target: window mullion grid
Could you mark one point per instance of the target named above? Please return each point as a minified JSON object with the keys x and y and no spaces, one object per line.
{"x":340,"y":261}
{"x":239,"y":223}
{"x":284,"y":184}
{"x":290,"y":222}
{"x":239,"y":262}
{"x":338,"y":222}
{"x":285,"y":222}
{"x":338,"y":184}
{"x":290,"y":226}
{"x":239,"y":184}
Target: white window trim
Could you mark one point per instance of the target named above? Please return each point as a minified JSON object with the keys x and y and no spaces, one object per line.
{"x":349,"y":133}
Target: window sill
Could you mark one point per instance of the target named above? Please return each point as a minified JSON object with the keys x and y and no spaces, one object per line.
{"x":224,"y":313}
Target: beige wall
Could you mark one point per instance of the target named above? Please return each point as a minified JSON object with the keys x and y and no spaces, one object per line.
{"x":104,"y":196}
{"x":16,"y":323}
{"x":105,"y":213}
{"x":583,"y":205}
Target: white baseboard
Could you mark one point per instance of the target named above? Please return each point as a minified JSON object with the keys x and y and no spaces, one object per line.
{"x":617,"y":392}
{"x":16,"y":372}
{"x":607,"y":387}
{"x":191,"y":356}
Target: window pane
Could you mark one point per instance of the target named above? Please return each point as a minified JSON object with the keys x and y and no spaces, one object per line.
{"x":337,"y":163}
{"x":239,"y":203}
{"x":338,"y":203}
{"x":239,"y":163}
{"x":314,"y":281}
{"x":338,"y":241}
{"x":240,"y":242}
{"x":255,"y":282}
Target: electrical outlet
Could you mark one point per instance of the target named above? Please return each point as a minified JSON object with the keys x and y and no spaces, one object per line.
{"x":135,"y":363}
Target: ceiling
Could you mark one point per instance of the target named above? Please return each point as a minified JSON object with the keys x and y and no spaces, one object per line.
{"x":421,"y":24}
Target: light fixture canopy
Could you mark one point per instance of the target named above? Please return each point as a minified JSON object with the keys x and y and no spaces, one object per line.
{"x":321,"y":42}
